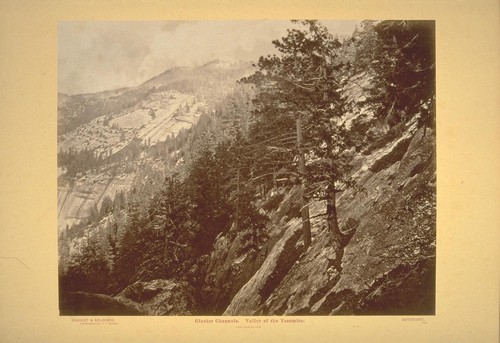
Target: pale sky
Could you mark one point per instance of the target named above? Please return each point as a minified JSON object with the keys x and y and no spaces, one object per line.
{"x":95,"y":56}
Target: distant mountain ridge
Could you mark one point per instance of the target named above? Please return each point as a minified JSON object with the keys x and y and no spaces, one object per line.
{"x":206,"y":80}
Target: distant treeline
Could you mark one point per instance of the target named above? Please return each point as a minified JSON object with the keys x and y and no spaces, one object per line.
{"x":82,"y":108}
{"x":76,"y":161}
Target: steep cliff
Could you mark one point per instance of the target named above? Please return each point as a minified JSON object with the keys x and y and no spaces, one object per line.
{"x":75,"y":199}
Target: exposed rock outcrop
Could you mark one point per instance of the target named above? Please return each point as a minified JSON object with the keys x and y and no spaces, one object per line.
{"x":74,"y":201}
{"x":276,"y":266}
{"x":388,"y":265}
{"x":227,"y":272}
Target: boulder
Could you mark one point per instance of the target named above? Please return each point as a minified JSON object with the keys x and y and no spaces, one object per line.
{"x":160,"y":297}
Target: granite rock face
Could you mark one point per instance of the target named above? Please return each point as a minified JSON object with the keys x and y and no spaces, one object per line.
{"x":387,"y":267}
{"x":276,"y":266}
{"x":227,"y":272}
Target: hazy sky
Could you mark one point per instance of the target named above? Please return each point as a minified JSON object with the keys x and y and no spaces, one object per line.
{"x":95,"y":56}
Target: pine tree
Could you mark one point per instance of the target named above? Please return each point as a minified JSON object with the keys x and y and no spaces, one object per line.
{"x":130,"y":248}
{"x":176,"y":226}
{"x":302,"y":84}
{"x":87,"y":268}
{"x":246,"y":218}
{"x":207,"y":182}
{"x":403,"y":63}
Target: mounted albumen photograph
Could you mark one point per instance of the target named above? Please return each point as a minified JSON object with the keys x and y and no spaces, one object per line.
{"x":246,"y":168}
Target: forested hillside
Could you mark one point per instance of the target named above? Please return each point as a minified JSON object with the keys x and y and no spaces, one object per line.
{"x":303,"y":185}
{"x":106,"y":153}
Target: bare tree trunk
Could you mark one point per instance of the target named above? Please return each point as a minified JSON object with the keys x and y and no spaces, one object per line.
{"x":165,"y":251}
{"x":306,"y":224}
{"x":331,"y":212}
{"x":237,"y":215}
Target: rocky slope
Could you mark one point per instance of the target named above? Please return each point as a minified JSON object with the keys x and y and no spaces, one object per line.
{"x":387,"y":267}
